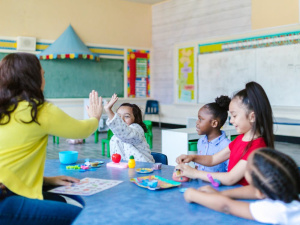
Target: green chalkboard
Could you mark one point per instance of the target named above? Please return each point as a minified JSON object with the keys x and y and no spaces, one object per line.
{"x":75,"y":78}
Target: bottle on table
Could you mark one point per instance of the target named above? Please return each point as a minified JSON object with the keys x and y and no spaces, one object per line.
{"x":131,"y":162}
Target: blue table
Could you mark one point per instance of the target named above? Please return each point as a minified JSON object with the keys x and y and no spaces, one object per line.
{"x":127,"y":203}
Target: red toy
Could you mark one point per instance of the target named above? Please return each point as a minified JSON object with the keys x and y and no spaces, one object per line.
{"x":116,"y":158}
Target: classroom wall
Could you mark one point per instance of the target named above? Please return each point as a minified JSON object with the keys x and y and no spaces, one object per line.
{"x":194,"y":22}
{"x":105,"y":22}
{"x":273,"y":13}
{"x":179,"y":21}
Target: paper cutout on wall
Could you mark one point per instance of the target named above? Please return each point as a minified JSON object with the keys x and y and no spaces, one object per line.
{"x":68,"y":46}
{"x":186,"y":80}
{"x":138,"y":73}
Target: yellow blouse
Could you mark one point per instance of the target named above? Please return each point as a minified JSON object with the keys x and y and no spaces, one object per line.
{"x":23,"y":146}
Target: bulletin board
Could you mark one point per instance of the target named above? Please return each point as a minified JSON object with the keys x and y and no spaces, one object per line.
{"x":138,"y":73}
{"x":75,"y":78}
{"x":186,"y":79}
{"x":273,"y":61}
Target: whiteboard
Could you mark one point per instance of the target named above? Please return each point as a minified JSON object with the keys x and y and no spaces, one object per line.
{"x":277,"y":69}
{"x":224,"y":73}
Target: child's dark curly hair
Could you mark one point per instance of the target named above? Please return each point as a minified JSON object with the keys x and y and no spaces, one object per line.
{"x":219,"y":109}
{"x":137,"y":113}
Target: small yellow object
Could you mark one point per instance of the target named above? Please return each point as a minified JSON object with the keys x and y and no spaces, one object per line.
{"x":131,"y":162}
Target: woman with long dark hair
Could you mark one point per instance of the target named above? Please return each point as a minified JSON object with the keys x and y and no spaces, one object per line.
{"x":26,"y":120}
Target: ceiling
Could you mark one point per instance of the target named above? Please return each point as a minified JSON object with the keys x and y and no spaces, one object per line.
{"x":150,"y":2}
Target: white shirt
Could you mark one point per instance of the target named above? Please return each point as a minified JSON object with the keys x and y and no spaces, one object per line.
{"x":276,"y":212}
{"x":129,"y":140}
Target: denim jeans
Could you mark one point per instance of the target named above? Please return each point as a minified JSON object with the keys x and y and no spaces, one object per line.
{"x":15,"y":209}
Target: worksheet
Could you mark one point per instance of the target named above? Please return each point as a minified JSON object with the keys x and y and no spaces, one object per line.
{"x":87,"y":186}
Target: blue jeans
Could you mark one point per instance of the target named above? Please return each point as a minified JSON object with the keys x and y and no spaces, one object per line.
{"x":15,"y":209}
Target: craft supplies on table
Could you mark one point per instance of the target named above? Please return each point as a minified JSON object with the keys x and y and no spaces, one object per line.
{"x":87,"y":186}
{"x":147,"y":182}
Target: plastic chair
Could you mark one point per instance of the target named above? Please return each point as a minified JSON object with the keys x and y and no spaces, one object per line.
{"x":149,"y":134}
{"x":193,"y":146}
{"x":233,"y":137}
{"x":152,"y":107}
{"x":106,"y":141}
{"x":160,"y":158}
{"x":96,"y":136}
{"x":57,"y":140}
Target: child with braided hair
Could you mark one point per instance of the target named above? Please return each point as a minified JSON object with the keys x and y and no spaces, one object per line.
{"x":273,"y":177}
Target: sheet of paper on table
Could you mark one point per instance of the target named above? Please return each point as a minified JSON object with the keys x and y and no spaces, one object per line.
{"x":87,"y":186}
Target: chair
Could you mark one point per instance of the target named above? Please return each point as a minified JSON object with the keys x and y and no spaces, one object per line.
{"x":233,"y":137}
{"x":160,"y":158}
{"x":152,"y":107}
{"x":57,"y":140}
{"x":96,"y":136}
{"x":149,"y":134}
{"x":193,"y":146}
{"x":106,"y":141}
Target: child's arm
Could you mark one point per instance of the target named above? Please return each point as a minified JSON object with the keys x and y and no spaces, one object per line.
{"x":133,"y":134}
{"x":219,"y":202}
{"x":228,"y":178}
{"x":206,"y":160}
{"x":244,"y":192}
{"x":109,"y":105}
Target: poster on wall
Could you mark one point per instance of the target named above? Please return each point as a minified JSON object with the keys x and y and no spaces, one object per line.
{"x":138,"y":73}
{"x":186,"y":77}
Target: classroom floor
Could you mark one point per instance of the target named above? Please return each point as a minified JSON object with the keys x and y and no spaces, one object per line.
{"x":93,"y":150}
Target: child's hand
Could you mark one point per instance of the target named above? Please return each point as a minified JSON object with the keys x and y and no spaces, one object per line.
{"x":60,"y":180}
{"x":187,"y":171}
{"x":184,"y":159}
{"x":189,"y":194}
{"x":207,"y":189}
{"x":95,"y":108}
{"x":110,"y":104}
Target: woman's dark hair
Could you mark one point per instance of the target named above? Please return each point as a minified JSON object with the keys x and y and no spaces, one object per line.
{"x":137,"y":113}
{"x":219,"y":109}
{"x":20,"y":79}
{"x":255,"y":99}
{"x":276,"y":175}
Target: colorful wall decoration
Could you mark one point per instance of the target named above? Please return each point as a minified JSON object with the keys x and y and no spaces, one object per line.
{"x":287,"y":38}
{"x":40,"y":46}
{"x":8,"y":44}
{"x":186,"y":78}
{"x":138,"y":73}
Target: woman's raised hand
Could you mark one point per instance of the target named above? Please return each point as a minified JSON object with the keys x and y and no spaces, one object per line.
{"x":110,"y":104}
{"x":95,"y":108}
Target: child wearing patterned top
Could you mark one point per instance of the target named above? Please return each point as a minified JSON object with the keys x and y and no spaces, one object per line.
{"x":211,"y":117}
{"x":273,"y":178}
{"x":251,"y":115}
{"x":129,"y":131}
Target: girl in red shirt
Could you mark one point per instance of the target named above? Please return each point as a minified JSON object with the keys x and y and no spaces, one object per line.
{"x":251,"y":114}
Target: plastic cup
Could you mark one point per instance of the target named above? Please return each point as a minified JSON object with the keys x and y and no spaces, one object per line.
{"x":68,"y":157}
